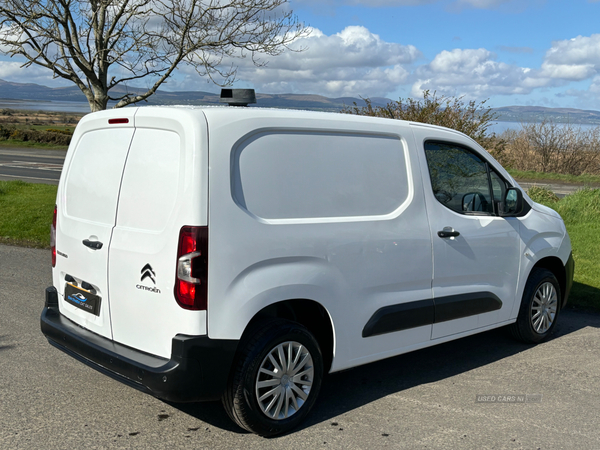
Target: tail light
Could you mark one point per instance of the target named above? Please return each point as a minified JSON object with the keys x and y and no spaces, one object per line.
{"x":53,"y":238}
{"x":192,"y":268}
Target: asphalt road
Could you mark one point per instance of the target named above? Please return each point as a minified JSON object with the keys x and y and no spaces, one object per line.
{"x":33,"y":166}
{"x":425,"y":399}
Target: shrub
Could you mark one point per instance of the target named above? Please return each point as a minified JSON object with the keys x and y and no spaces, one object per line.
{"x":550,"y":147}
{"x":56,"y":130}
{"x":542,"y":195}
{"x":471,"y":118}
{"x":51,"y":136}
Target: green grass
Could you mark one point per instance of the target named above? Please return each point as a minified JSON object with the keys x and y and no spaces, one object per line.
{"x":589,"y":180}
{"x":25,"y":126}
{"x":28,"y":144}
{"x":26,"y":213}
{"x":581,"y":213}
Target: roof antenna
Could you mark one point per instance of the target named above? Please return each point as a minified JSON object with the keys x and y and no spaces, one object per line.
{"x":237,"y":97}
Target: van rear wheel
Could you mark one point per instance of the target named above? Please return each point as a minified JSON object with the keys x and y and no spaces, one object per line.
{"x":275,"y":379}
{"x":539,"y":308}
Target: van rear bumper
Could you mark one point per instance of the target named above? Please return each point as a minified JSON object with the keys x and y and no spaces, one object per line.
{"x":197,"y":371}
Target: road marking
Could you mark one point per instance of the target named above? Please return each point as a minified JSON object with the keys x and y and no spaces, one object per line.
{"x":31,"y":155}
{"x":2,"y":175}
{"x":32,"y":165}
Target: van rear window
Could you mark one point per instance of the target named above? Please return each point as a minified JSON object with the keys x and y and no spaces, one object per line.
{"x":94,"y":175}
{"x":292,"y":175}
{"x":150,"y":180}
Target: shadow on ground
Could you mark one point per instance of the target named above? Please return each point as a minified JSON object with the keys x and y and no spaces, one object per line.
{"x":584,"y":296}
{"x":351,"y":389}
{"x":4,"y":346}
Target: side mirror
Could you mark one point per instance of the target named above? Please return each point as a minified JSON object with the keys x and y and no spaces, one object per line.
{"x":512,"y":203}
{"x":474,"y":201}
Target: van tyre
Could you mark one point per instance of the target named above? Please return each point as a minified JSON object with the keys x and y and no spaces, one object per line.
{"x":539,"y":308}
{"x":275,"y":378}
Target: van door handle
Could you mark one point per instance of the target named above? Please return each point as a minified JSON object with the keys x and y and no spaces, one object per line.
{"x":448,"y":232}
{"x":94,"y":245}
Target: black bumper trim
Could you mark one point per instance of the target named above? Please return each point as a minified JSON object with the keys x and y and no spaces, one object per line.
{"x":197,"y":371}
{"x":569,"y":272}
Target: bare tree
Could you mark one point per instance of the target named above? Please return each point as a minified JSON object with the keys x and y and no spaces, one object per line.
{"x":102,"y":44}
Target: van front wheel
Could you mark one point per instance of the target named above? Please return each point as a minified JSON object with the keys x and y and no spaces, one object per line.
{"x":539,"y":308}
{"x":275,"y":379}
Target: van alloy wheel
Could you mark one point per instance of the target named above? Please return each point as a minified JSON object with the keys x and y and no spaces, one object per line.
{"x":276,"y":377}
{"x":284,"y":380}
{"x":540,"y":307}
{"x":544,"y":308}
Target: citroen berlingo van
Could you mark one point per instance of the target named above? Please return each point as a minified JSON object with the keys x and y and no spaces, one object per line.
{"x":241,"y":254}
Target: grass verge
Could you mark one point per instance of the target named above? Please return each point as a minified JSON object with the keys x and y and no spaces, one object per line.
{"x":581,"y":213}
{"x":588,"y":180}
{"x":14,"y":143}
{"x":26,"y":213}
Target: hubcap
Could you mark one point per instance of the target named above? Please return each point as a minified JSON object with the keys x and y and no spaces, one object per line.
{"x":544,"y":307}
{"x":284,"y":380}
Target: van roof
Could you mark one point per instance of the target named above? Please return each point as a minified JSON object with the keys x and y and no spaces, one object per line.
{"x":269,"y":112}
{"x":239,"y":113}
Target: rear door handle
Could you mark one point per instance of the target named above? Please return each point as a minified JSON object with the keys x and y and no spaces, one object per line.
{"x":448,"y":232}
{"x":94,"y":245}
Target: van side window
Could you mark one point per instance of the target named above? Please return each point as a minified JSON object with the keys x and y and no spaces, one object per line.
{"x":462,"y":180}
{"x":498,"y":187}
{"x":279,"y":174}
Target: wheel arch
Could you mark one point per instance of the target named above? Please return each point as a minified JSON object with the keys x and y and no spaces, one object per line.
{"x":308,"y":313}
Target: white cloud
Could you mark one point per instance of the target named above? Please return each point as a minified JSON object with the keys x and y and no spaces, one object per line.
{"x":573,"y":59}
{"x":352,"y":62}
{"x":579,"y":50}
{"x":355,"y":46}
{"x":13,"y":71}
{"x":337,"y":82}
{"x":476,"y":74}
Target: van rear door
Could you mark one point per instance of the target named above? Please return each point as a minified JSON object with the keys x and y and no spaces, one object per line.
{"x":86,"y":211}
{"x":164,"y":188}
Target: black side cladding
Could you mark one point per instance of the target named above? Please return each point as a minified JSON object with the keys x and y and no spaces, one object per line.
{"x":404,"y":316}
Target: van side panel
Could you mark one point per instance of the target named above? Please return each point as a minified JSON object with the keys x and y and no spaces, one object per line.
{"x":317,"y":208}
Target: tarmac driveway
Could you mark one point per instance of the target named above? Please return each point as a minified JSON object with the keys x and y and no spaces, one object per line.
{"x":481,"y":392}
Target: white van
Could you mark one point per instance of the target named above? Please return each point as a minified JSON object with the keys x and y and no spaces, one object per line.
{"x":243,"y":253}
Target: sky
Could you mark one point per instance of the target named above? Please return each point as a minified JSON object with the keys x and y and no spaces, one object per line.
{"x":508,"y":52}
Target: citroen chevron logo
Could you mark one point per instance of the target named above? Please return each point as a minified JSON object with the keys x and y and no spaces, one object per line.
{"x":147,"y":272}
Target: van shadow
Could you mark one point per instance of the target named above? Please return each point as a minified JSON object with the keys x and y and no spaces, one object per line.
{"x":5,"y":346}
{"x":345,"y":391}
{"x":586,"y":296}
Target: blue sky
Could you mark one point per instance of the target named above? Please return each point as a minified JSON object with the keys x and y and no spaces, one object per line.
{"x":512,"y":52}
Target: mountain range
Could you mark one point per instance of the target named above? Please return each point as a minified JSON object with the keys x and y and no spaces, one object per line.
{"x":36,"y":92}
{"x":31,"y":92}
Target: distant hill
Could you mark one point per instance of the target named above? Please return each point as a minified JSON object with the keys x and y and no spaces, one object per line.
{"x":539,"y":113}
{"x":35,"y":92}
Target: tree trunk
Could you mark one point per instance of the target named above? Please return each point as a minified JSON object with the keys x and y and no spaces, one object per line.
{"x":97,"y":99}
{"x":98,"y":102}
